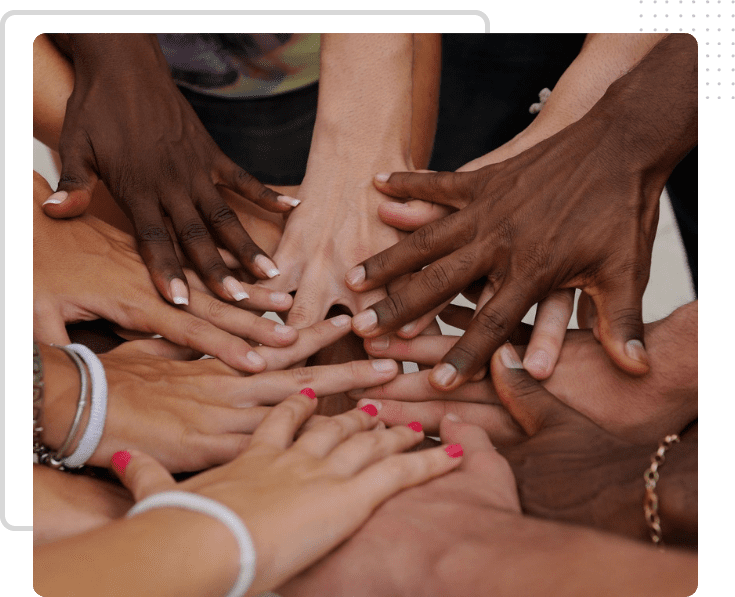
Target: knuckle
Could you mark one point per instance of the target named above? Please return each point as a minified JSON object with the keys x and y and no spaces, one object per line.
{"x":243,"y":178}
{"x":248,"y":249}
{"x":435,"y":278}
{"x":492,"y":324}
{"x":217,"y":310}
{"x":393,"y":305}
{"x":533,"y":260}
{"x":222,"y":215}
{"x":153,"y":234}
{"x":194,"y":327}
{"x":423,"y":240}
{"x":192,"y":232}
{"x":302,"y":375}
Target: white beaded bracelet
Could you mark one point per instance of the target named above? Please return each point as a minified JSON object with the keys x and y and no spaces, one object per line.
{"x":98,"y":410}
{"x":210,"y":507}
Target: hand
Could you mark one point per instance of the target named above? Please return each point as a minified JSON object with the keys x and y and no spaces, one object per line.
{"x":571,"y":469}
{"x":553,"y":223}
{"x":402,"y":549}
{"x":128,"y":125}
{"x":299,"y":499}
{"x":85,"y":269}
{"x":192,"y":415}
{"x":635,"y":409}
{"x":335,"y":227}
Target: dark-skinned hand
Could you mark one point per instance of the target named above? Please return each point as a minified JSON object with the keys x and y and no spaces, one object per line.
{"x":568,"y":468}
{"x":577,"y":210}
{"x":128,"y":125}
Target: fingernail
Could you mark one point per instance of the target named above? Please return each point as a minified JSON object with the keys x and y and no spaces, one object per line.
{"x":380,"y":343}
{"x":356,"y":275}
{"x":289,"y":200}
{"x":382,"y":176}
{"x":284,"y":331}
{"x":454,"y":451}
{"x":235,"y":289}
{"x":120,"y":461}
{"x":280,"y":298}
{"x":266,"y":266}
{"x":454,"y":418}
{"x":538,"y":361}
{"x":372,"y":404}
{"x":341,"y":321}
{"x":179,"y":292}
{"x":56,"y":198}
{"x":383,"y":365}
{"x":509,"y":357}
{"x":366,"y":321}
{"x":416,"y":426}
{"x":308,"y":392}
{"x":444,"y":374}
{"x":370,"y":409}
{"x":635,"y":350}
{"x":409,"y":327}
{"x":255,"y":358}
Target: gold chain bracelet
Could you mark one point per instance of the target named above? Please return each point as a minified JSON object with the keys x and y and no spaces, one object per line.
{"x":650,"y":501}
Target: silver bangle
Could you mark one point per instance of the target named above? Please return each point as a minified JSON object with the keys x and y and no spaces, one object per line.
{"x":210,"y":507}
{"x":98,"y":411}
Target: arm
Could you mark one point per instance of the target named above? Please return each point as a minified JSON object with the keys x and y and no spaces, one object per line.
{"x":578,"y":210}
{"x":364,"y":121}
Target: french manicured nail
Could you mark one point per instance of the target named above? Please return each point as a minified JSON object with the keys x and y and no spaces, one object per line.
{"x":56,"y":198}
{"x":416,"y":426}
{"x":444,"y":374}
{"x":634,"y":349}
{"x":371,"y":404}
{"x":341,"y":321}
{"x":284,"y":331}
{"x":120,"y":461}
{"x":366,"y":321}
{"x":266,"y":266}
{"x":308,"y":392}
{"x":255,"y":358}
{"x":179,"y":292}
{"x":382,"y":176}
{"x":454,"y":451}
{"x":383,"y":365}
{"x":280,"y":298}
{"x":380,"y":343}
{"x":454,"y":418}
{"x":356,"y":275}
{"x":509,"y":357}
{"x":370,"y":409}
{"x":235,"y":289}
{"x":538,"y":361}
{"x":293,"y":202}
{"x":409,"y":327}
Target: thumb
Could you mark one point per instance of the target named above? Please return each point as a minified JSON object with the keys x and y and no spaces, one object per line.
{"x":447,"y":188}
{"x":74,"y":192}
{"x":141,"y":474}
{"x":527,"y":401}
{"x":620,"y":325}
{"x":159,"y":347}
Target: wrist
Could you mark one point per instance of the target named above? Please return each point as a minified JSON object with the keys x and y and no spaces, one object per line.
{"x":116,"y":55}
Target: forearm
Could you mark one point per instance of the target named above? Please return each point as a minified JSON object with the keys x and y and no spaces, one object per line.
{"x":364,"y":111}
{"x":162,"y":552}
{"x":426,"y":76}
{"x":556,"y":559}
{"x":53,"y":82}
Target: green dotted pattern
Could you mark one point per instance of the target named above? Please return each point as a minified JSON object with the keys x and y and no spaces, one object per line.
{"x":712,"y":22}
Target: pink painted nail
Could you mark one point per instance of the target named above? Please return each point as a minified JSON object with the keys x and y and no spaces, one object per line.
{"x":308,"y":392}
{"x":120,"y":461}
{"x":416,"y":426}
{"x":370,"y":409}
{"x":454,"y":451}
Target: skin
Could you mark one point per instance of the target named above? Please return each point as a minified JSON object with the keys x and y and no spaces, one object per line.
{"x":192,"y":415}
{"x":634,"y":409}
{"x":85,"y":269}
{"x":463,"y":534}
{"x":277,"y":487}
{"x":371,"y":95}
{"x":603,"y":58}
{"x":124,"y":97}
{"x":537,"y":222}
